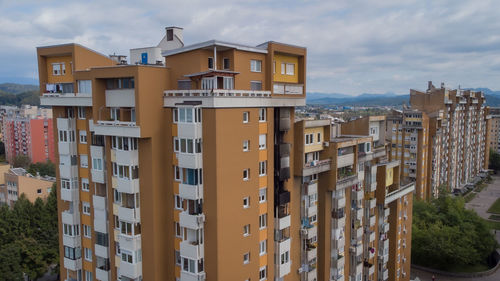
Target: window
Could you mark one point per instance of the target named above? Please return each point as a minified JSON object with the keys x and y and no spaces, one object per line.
{"x":246,"y":145}
{"x":71,"y":230}
{"x":117,"y":196}
{"x":86,"y":208}
{"x":226,"y":64}
{"x":170,"y":34}
{"x":255,"y":65}
{"x":189,"y":265}
{"x":118,"y":251}
{"x":246,"y":116}
{"x":187,"y":115}
{"x":262,"y":141}
{"x":262,"y":115}
{"x":246,"y":230}
{"x":246,"y":174}
{"x":262,"y":168}
{"x":83,"y":136}
{"x":210,"y":63}
{"x":246,"y":258}
{"x":84,"y":161}
{"x":262,"y":195}
{"x":120,"y":83}
{"x":290,"y":69}
{"x":178,"y":230}
{"x":114,"y":113}
{"x":313,"y":219}
{"x":178,"y":202}
{"x":88,"y":276}
{"x":284,"y":258}
{"x":228,"y":83}
{"x":178,"y":259}
{"x":85,"y":184}
{"x":309,"y":138}
{"x":72,"y":253}
{"x":263,"y":273}
{"x":88,"y":254}
{"x":262,"y":221}
{"x":187,"y":145}
{"x":97,"y":164}
{"x":85,"y":87}
{"x":127,"y":256}
{"x":87,"y":231}
{"x":256,"y":85}
{"x":39,"y":191}
{"x":319,"y":137}
{"x":246,"y":202}
{"x":177,"y":173}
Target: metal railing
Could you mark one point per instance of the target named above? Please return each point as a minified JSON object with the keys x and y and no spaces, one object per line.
{"x":217,"y":93}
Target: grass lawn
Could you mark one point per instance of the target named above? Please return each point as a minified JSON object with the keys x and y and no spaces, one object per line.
{"x":493,"y":224}
{"x":470,"y":268}
{"x":495,"y":208}
{"x":494,"y":217}
{"x":469,"y":196}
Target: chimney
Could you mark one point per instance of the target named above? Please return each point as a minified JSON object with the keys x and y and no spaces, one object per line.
{"x":429,"y":86}
{"x":442,"y":85}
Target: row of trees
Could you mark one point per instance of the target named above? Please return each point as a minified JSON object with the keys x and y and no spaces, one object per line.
{"x":494,"y":160}
{"x":28,"y":238}
{"x":447,"y":236}
{"x":44,"y":169}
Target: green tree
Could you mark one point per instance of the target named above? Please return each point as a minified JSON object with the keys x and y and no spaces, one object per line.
{"x":445,"y":235}
{"x":45,"y":169}
{"x":21,"y":161}
{"x":494,"y":160}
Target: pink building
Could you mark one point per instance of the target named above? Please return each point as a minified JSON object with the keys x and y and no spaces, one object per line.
{"x":31,"y":135}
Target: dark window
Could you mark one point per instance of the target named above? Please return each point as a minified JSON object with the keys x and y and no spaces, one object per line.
{"x":184,"y":84}
{"x":226,"y":63}
{"x":256,"y":85}
{"x":170,"y":34}
{"x":210,"y":63}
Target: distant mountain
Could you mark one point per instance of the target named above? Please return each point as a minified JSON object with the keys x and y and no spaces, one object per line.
{"x":14,"y":88}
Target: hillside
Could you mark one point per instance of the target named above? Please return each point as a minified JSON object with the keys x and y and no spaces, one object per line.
{"x":14,"y":88}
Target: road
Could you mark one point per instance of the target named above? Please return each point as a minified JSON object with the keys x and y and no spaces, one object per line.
{"x":481,"y":203}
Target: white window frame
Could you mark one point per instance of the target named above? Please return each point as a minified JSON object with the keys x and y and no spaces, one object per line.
{"x":246,"y":117}
{"x":263,"y":247}
{"x":246,"y":145}
{"x":283,"y":68}
{"x":246,"y":230}
{"x":80,"y":112}
{"x":56,"y":69}
{"x":263,"y":273}
{"x":246,"y":174}
{"x":246,"y":258}
{"x":87,"y":231}
{"x":262,"y":168}
{"x":290,"y":69}
{"x":256,"y":65}
{"x":263,"y":221}
{"x":87,"y":254}
{"x":84,"y":160}
{"x":263,"y":195}
{"x":85,"y":184}
{"x":246,"y":202}
{"x":83,"y":136}
{"x":86,"y":208}
{"x":262,"y":115}
{"x":262,"y":141}
{"x":178,"y":202}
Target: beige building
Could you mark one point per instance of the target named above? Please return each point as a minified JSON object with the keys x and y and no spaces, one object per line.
{"x":18,"y":181}
{"x":457,"y":135}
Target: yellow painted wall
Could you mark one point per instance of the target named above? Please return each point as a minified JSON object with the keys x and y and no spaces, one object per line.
{"x":278,"y":77}
{"x":317,"y":146}
{"x":66,"y":78}
{"x":389,"y":178}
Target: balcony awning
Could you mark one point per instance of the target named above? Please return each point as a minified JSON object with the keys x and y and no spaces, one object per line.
{"x":211,"y":73}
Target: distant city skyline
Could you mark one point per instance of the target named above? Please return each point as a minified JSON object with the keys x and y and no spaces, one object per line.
{"x":353,"y":47}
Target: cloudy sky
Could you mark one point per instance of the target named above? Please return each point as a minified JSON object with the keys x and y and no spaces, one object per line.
{"x":353,"y":46}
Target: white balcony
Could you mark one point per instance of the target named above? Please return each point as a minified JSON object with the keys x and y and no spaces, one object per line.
{"x":383,"y":258}
{"x":131,"y":243}
{"x":312,"y":254}
{"x":68,"y":171}
{"x":359,"y":269}
{"x":129,"y":214}
{"x":312,"y":188}
{"x":66,"y":124}
{"x":98,"y":176}
{"x":372,"y":203}
{"x":189,"y":130}
{"x":383,"y":245}
{"x":371,"y":237}
{"x":188,"y":276}
{"x":191,"y":192}
{"x":125,"y":157}
{"x":287,"y":89}
{"x":385,"y":227}
{"x":338,"y":223}
{"x":69,"y":217}
{"x":358,"y":213}
{"x":284,"y":269}
{"x":70,"y":195}
{"x":387,"y":212}
{"x":338,"y":203}
{"x":316,"y":167}
{"x":312,"y":210}
{"x":100,"y":221}
{"x":372,"y":186}
{"x":131,"y":270}
{"x":102,"y":275}
{"x":312,"y":232}
{"x":385,"y":274}
{"x":129,"y":186}
{"x":192,"y":250}
{"x":371,"y":270}
{"x":73,"y":264}
{"x":72,"y":241}
{"x":190,"y":160}
{"x":66,"y":99}
{"x":345,"y":160}
{"x":357,"y":249}
{"x":338,"y":261}
{"x":191,"y":221}
{"x":357,"y":194}
{"x":346,"y":182}
{"x":66,"y":148}
{"x":312,"y":275}
{"x":117,"y":128}
{"x":101,"y":251}
{"x":120,"y":98}
{"x":359,"y":232}
{"x":338,"y":243}
{"x":99,"y":202}
{"x":372,"y":221}
{"x":284,"y":222}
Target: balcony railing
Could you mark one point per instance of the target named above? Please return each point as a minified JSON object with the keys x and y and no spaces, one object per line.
{"x":217,"y":93}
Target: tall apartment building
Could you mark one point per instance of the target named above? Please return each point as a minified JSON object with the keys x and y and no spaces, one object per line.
{"x":179,"y":171}
{"x":457,"y":135}
{"x":493,"y":132}
{"x":28,"y":131}
{"x":408,"y":131}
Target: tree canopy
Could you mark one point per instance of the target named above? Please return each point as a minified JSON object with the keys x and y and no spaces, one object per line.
{"x":494,"y":160}
{"x":29,"y":238}
{"x":445,"y":235}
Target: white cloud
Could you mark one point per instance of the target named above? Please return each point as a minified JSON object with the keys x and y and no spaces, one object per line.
{"x":353,"y":46}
